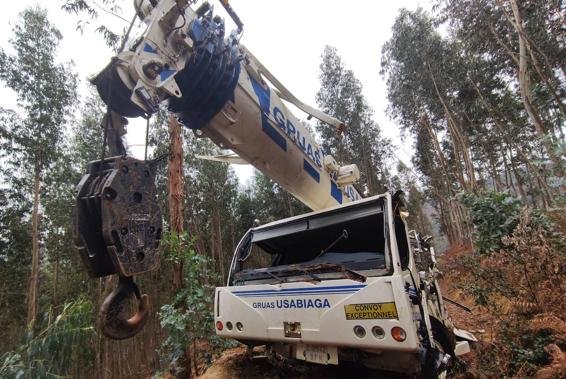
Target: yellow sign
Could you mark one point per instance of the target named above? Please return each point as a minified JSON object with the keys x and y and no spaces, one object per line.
{"x":371,"y":311}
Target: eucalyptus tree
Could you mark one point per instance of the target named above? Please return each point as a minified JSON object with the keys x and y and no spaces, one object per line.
{"x":272,"y":201}
{"x":15,"y":244}
{"x":89,"y":11}
{"x":415,"y":200}
{"x":211,"y":191}
{"x":361,"y":142}
{"x":45,"y":93}
{"x":82,"y":144}
{"x":87,"y":133}
{"x":524,"y":44}
{"x":423,"y":72}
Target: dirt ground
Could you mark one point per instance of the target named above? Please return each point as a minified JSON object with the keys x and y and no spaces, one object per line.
{"x":235,"y":363}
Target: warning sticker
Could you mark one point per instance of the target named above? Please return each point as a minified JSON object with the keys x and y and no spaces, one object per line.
{"x":370,"y":311}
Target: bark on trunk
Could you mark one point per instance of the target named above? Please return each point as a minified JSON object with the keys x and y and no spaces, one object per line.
{"x":220,"y":247}
{"x":547,"y":192}
{"x":524,"y":86}
{"x":34,"y":275}
{"x":56,"y":280}
{"x":437,"y":149}
{"x":175,"y":176}
{"x":459,"y":139}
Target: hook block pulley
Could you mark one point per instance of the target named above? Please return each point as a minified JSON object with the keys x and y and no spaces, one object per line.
{"x":118,"y":220}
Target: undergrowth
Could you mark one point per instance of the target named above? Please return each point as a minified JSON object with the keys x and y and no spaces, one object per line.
{"x":188,"y":319}
{"x":56,"y":346}
{"x":517,"y":273}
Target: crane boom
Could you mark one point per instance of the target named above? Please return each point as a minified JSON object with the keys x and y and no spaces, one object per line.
{"x":217,"y":88}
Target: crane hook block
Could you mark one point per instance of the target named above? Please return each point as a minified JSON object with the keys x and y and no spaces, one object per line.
{"x":112,"y":324}
{"x":118,"y":220}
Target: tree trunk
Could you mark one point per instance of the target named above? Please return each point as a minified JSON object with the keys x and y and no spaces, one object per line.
{"x":220,"y":247}
{"x":289,"y":203}
{"x":524,"y":86}
{"x":530,"y":47}
{"x":510,"y":143}
{"x":459,"y":139}
{"x":56,"y":279}
{"x":175,"y":177}
{"x":437,"y":148}
{"x":213,"y":239}
{"x":34,"y":276}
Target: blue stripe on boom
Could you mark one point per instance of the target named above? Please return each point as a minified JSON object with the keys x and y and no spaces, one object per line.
{"x":335,"y":192}
{"x":149,"y":49}
{"x":311,"y":171}
{"x":273,"y":134}
{"x":165,"y":74}
{"x":263,"y":94}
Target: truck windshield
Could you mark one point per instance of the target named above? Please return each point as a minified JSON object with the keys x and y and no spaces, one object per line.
{"x":348,"y":243}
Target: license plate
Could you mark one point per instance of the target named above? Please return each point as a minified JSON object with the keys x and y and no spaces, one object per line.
{"x":324,"y":355}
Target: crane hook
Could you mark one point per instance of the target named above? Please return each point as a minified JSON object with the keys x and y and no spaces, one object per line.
{"x":111,"y":324}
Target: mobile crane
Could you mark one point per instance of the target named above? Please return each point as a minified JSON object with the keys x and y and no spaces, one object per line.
{"x":217,"y":88}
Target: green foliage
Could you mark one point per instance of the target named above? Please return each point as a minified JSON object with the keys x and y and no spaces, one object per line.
{"x":45,"y":90}
{"x":526,"y":348}
{"x":453,"y":83}
{"x":32,"y":142}
{"x":340,"y":95}
{"x":88,"y":11}
{"x":189,"y":317}
{"x":494,"y":216}
{"x":15,"y":244}
{"x":57,"y":345}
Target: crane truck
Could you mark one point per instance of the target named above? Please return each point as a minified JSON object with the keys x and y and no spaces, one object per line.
{"x":337,"y":284}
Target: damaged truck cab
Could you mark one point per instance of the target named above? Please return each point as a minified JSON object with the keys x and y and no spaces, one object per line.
{"x":340,"y":285}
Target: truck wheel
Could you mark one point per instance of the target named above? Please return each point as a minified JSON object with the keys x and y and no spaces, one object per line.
{"x":442,"y":343}
{"x":442,"y":374}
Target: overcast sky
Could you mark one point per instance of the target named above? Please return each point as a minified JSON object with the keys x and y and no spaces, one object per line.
{"x":287,"y":36}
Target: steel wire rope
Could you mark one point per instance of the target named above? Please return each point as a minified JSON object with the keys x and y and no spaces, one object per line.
{"x":108,"y":110}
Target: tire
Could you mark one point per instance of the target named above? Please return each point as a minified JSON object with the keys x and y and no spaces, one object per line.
{"x":442,"y":342}
{"x":443,"y":374}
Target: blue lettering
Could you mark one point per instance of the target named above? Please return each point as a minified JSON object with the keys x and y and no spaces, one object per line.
{"x":301,"y":143}
{"x":294,"y":134}
{"x":291,"y":130}
{"x":293,"y":303}
{"x":265,"y":304}
{"x":279,"y":117}
{"x":317,"y":158}
{"x":309,"y":151}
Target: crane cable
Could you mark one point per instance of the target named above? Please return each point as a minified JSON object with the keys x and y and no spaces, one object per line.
{"x":108,"y":110}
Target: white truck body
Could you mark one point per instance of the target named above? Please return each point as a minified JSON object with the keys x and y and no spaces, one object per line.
{"x":348,"y":307}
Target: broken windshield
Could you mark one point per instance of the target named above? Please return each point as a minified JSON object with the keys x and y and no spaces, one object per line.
{"x":348,"y":243}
